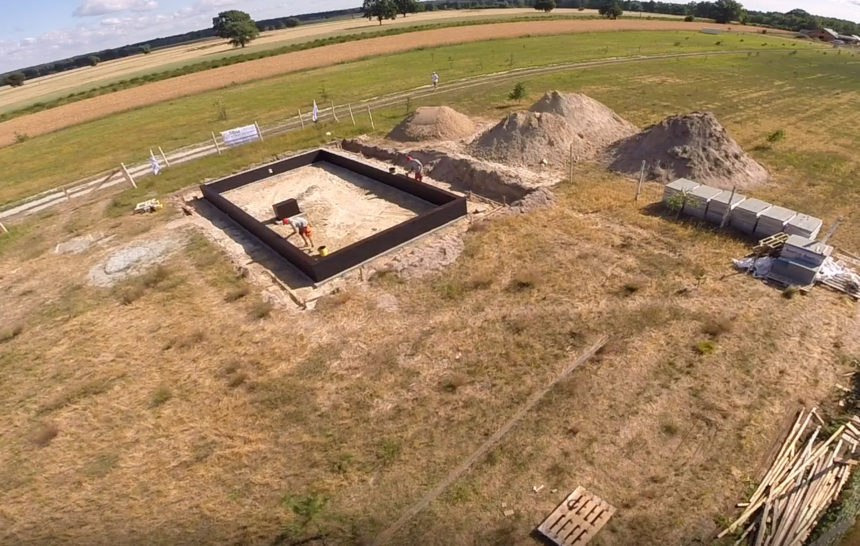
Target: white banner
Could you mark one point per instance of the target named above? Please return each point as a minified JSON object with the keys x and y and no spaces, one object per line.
{"x":240,"y":135}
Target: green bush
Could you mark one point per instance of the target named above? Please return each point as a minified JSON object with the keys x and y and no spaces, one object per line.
{"x":518,"y":92}
{"x":705,"y":347}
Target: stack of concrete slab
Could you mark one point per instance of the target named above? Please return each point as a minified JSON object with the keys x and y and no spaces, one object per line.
{"x":680,"y":186}
{"x":773,"y":220}
{"x":804,"y":225}
{"x":745,"y":216}
{"x":698,"y":199}
{"x":799,"y":261}
{"x":721,"y":203}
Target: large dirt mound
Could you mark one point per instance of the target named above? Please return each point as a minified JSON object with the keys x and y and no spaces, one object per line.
{"x":593,"y":122}
{"x":433,"y":123}
{"x":555,"y":126}
{"x":692,"y":146}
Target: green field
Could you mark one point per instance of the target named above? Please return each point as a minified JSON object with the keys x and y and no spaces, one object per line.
{"x":48,"y":161}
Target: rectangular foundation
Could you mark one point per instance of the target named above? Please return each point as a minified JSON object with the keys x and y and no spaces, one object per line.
{"x":443,"y":207}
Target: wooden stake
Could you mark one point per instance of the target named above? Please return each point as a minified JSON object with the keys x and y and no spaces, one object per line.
{"x":728,"y":212}
{"x":641,"y":179}
{"x":216,"y":143}
{"x":3,"y":228}
{"x":301,"y":119}
{"x":66,"y":191}
{"x":570,"y":163}
{"x":164,"y":157}
{"x":127,"y":175}
{"x":259,"y":132}
{"x":372,"y":126}
{"x":333,"y":114}
{"x":350,"y":114}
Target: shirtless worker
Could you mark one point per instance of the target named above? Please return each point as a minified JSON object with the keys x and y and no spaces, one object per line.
{"x":414,"y":166}
{"x":302,"y":227}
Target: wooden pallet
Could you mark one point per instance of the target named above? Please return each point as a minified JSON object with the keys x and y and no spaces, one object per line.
{"x":770,"y":245}
{"x":577,"y":519}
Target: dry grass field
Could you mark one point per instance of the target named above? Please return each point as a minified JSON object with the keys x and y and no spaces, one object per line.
{"x":185,"y":404}
{"x":178,"y":408}
{"x":97,"y":107}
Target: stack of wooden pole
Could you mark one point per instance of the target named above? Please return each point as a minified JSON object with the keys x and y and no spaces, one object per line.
{"x":805,"y":477}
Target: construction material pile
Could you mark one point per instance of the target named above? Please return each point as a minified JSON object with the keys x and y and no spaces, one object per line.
{"x":556,"y":127}
{"x":433,"y":123}
{"x":805,"y":477}
{"x":692,"y":146}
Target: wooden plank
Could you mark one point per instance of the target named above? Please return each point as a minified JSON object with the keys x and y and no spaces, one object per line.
{"x":577,"y":519}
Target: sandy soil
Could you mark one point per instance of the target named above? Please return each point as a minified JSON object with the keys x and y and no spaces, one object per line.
{"x":79,"y":112}
{"x":342,"y":207}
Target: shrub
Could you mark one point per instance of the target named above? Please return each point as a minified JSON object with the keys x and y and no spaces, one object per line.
{"x":790,"y":291}
{"x":43,"y":433}
{"x":261,"y":309}
{"x":523,"y":280}
{"x":689,"y":18}
{"x":15,"y":79}
{"x":518,"y":92}
{"x":776,"y":136}
{"x":160,"y":396}
{"x":291,"y":22}
{"x":705,"y":347}
{"x":237,"y":293}
{"x":8,"y":334}
{"x":716,"y":326}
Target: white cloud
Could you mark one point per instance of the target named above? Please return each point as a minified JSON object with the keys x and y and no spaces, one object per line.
{"x":102,"y":7}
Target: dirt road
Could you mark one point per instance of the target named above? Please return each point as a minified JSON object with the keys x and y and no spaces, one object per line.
{"x":79,"y":112}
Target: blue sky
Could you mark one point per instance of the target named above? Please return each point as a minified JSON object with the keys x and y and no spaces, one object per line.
{"x":37,"y":31}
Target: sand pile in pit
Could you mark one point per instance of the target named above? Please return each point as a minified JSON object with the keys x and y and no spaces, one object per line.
{"x":554,"y":126}
{"x":692,"y":146}
{"x":433,"y":123}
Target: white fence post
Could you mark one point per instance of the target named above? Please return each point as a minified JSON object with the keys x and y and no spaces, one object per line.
{"x":164,"y":157}
{"x":372,"y":126}
{"x":127,"y":175}
{"x":350,"y":114}
{"x":259,"y":132}
{"x":216,"y":142}
{"x":301,"y":119}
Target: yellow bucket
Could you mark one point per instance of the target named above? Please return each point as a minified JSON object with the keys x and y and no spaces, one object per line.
{"x":323,"y":251}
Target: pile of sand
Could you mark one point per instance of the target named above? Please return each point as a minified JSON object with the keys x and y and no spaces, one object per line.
{"x":433,"y":123}
{"x":555,"y":126}
{"x":692,"y":146}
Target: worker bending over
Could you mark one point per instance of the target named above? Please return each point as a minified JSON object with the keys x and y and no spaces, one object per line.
{"x":415,"y":166}
{"x":302,"y":227}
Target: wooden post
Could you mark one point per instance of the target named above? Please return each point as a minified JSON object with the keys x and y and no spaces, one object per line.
{"x":333,"y":114}
{"x":350,"y":114}
{"x":728,"y":209}
{"x":570,"y":163}
{"x":259,"y":132}
{"x":216,"y":142}
{"x":3,"y":228}
{"x":372,"y":126}
{"x":66,"y":191}
{"x":127,"y":175}
{"x":301,"y":119}
{"x":641,"y":179}
{"x":164,"y":157}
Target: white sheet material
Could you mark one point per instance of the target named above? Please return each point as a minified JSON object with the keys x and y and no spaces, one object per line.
{"x":832,"y":268}
{"x":758,"y":267}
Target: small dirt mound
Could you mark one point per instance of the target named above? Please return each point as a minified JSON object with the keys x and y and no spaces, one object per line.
{"x":555,"y":126}
{"x":692,"y":146}
{"x":433,"y":123}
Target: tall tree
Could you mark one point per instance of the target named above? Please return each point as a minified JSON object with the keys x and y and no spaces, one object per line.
{"x":235,"y":25}
{"x":381,"y":9}
{"x":611,"y":9}
{"x":406,"y":6}
{"x":545,"y":5}
{"x":726,"y":11}
{"x":14,"y":79}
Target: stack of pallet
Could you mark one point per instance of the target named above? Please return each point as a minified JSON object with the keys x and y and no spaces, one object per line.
{"x":773,"y":220}
{"x":698,"y":200}
{"x":805,"y":477}
{"x":682,"y":186}
{"x":746,"y":215}
{"x":804,"y":225}
{"x":799,"y":261}
{"x":722,"y":203}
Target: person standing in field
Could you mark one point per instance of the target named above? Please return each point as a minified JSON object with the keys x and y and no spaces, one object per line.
{"x":302,"y":227}
{"x":434,"y":77}
{"x":416,"y":167}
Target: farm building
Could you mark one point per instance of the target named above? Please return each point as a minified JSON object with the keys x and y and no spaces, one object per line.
{"x":823,"y":34}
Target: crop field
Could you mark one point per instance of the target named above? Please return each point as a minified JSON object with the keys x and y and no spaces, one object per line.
{"x":78,"y":112}
{"x":181,"y":405}
{"x":44,"y":162}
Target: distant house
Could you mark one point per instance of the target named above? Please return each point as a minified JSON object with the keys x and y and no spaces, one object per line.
{"x":849,"y":39}
{"x":824,"y":34}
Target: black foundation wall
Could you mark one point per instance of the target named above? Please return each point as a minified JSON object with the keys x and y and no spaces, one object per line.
{"x":449,"y":207}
